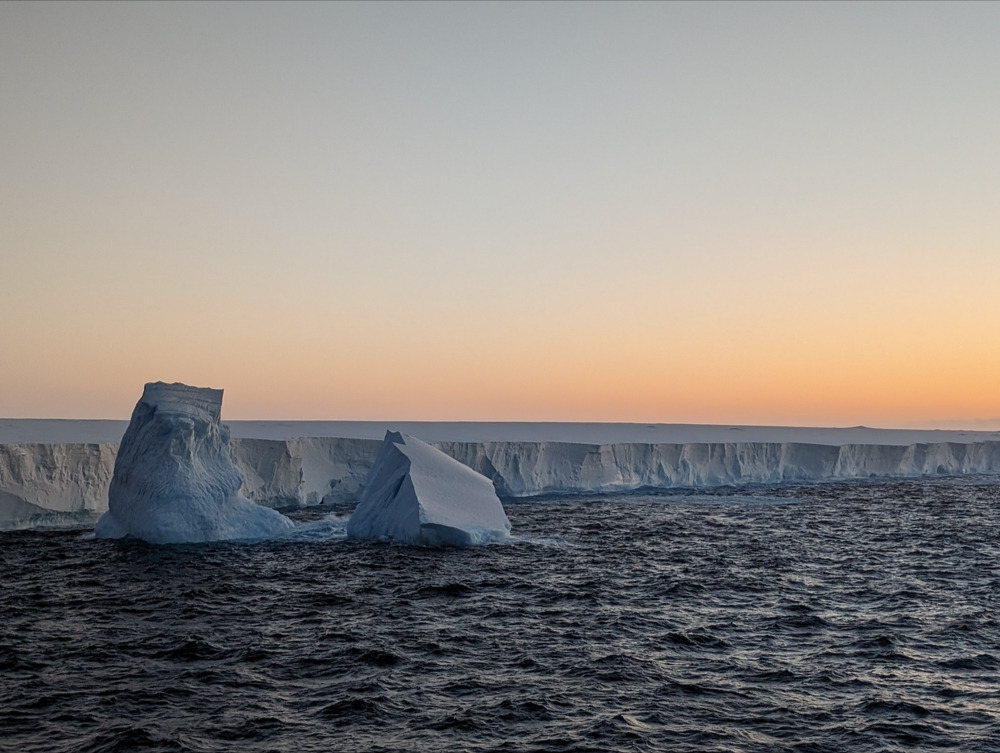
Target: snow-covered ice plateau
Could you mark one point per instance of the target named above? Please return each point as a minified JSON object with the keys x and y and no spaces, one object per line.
{"x":415,"y":494}
{"x":174,"y":478}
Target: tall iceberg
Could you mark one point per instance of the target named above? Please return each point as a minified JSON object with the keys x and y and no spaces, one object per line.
{"x":415,"y":494}
{"x":174,"y":479}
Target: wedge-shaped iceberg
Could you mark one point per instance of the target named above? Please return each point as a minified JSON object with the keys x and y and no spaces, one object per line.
{"x":415,"y":494}
{"x":174,"y":479}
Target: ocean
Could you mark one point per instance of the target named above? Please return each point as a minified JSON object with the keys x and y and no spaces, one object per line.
{"x":855,"y":616}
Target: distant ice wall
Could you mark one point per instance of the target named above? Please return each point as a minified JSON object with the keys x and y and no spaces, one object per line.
{"x":297,"y":472}
{"x":51,"y":483}
{"x":523,"y":469}
{"x":59,"y":480}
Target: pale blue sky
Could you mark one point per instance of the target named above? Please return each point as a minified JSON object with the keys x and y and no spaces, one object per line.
{"x":322,"y":205}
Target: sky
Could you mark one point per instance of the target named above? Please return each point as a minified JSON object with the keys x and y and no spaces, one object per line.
{"x":751,"y":213}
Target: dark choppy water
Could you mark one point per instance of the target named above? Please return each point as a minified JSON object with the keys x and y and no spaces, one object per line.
{"x":845,"y":617}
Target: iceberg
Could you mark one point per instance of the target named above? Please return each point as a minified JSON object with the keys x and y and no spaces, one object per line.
{"x":415,"y":494}
{"x":174,"y":479}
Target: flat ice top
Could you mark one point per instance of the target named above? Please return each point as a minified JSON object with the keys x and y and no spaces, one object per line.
{"x":47,"y":430}
{"x":181,"y":398}
{"x":15,"y":430}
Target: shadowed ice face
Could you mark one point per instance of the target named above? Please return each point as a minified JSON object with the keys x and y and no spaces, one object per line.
{"x":170,"y":456}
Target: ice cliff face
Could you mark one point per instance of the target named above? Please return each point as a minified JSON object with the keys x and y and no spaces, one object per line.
{"x":50,"y":484}
{"x":415,"y":494}
{"x":523,"y":469}
{"x":174,"y":479}
{"x":306,"y":471}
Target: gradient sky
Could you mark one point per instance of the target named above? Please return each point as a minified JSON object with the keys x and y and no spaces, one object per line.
{"x":714,"y":213}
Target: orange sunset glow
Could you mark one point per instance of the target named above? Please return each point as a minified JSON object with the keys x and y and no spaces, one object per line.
{"x":736,"y":213}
